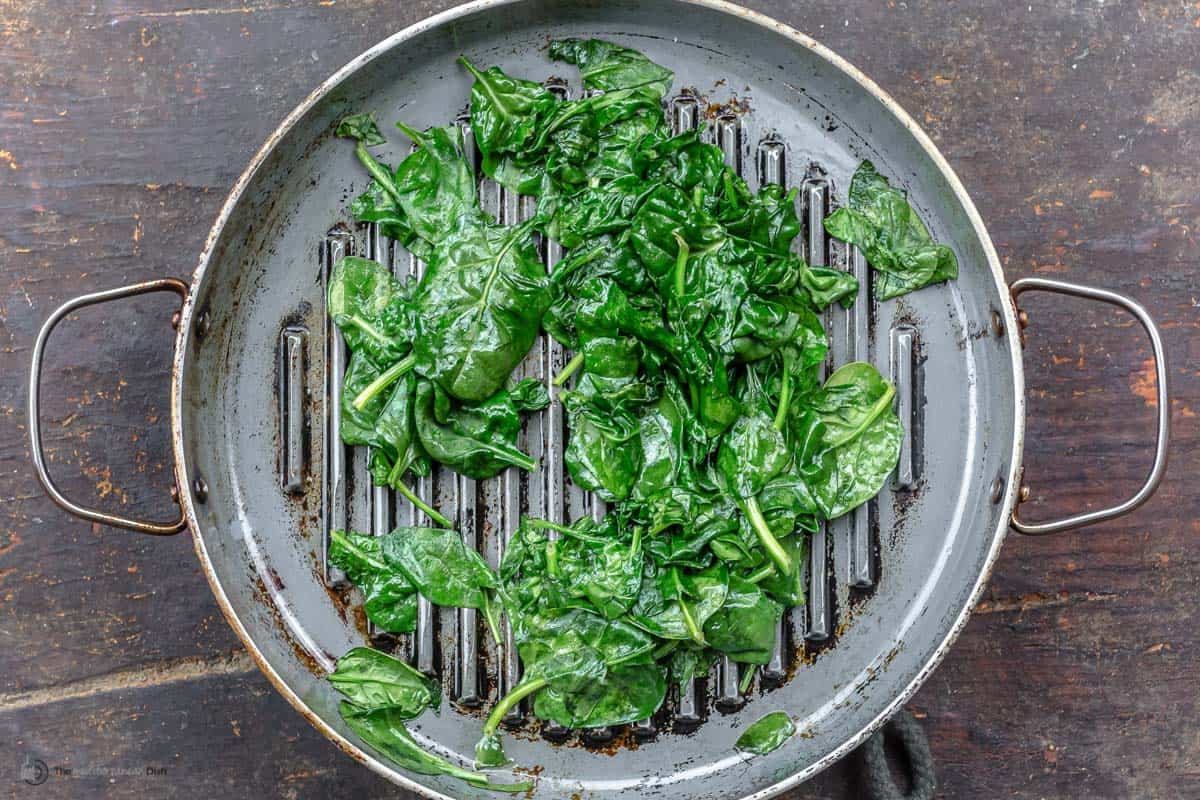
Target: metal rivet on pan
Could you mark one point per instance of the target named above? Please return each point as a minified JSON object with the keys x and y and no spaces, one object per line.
{"x":997,"y":490}
{"x":1023,"y":495}
{"x":203,"y":323}
{"x":997,"y":324}
{"x":174,"y":494}
{"x":175,"y":318}
{"x":200,"y":490}
{"x":1023,"y":319}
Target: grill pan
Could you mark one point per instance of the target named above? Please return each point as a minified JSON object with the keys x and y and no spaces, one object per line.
{"x":262,"y":475}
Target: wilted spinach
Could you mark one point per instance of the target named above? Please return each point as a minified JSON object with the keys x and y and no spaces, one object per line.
{"x":896,"y":243}
{"x":861,"y":434}
{"x":391,"y":599}
{"x":443,"y":569}
{"x":372,"y":679}
{"x":767,"y":733}
{"x":694,"y":398}
{"x":382,"y":693}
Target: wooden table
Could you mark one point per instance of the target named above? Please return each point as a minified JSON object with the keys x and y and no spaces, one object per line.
{"x":1074,"y":125}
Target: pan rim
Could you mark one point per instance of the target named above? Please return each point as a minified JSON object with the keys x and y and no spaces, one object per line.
{"x":189,"y":313}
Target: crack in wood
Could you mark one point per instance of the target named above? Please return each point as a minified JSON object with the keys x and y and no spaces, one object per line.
{"x":1038,"y":600}
{"x":162,"y":673}
{"x":208,"y":12}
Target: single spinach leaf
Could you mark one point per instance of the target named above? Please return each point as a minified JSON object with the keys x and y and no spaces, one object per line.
{"x":880,"y":221}
{"x":853,"y":397}
{"x":383,"y":730}
{"x":480,"y":305}
{"x":827,"y":286}
{"x":744,"y":627}
{"x":607,"y":67}
{"x":435,"y":186}
{"x":529,"y":394}
{"x":371,"y":679}
{"x":361,"y":127}
{"x":599,"y":459}
{"x":372,"y":309}
{"x":863,"y":466}
{"x":395,"y":438}
{"x":752,"y":453}
{"x":440,"y":566}
{"x":391,"y":600}
{"x":623,"y":695}
{"x":689,"y":661}
{"x":767,"y":733}
{"x":506,"y":112}
{"x":478,"y":440}
{"x":675,"y":604}
{"x":788,"y":590}
{"x":859,"y":433}
{"x":663,"y":432}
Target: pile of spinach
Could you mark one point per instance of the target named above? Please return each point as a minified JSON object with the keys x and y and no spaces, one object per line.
{"x":694,"y":398}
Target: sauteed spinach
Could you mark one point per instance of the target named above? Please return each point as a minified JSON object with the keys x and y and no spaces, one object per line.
{"x":694,"y":397}
{"x":382,"y":693}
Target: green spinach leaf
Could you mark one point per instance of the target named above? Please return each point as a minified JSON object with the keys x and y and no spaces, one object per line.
{"x":371,"y":679}
{"x":443,"y":569}
{"x":607,"y":67}
{"x":744,"y":627}
{"x":767,"y":734}
{"x":880,"y":221}
{"x":391,"y":600}
{"x":480,"y":306}
{"x":383,"y":730}
{"x":478,"y":440}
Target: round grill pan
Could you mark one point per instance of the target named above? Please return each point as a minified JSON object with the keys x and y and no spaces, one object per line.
{"x":262,"y":475}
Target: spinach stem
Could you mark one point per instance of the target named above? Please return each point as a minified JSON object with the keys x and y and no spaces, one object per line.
{"x":546,"y":524}
{"x":489,"y":614}
{"x":688,"y":620}
{"x":397,"y":472}
{"x":785,"y":392}
{"x":430,"y":511}
{"x":760,"y":575}
{"x":774,"y":548}
{"x":681,"y":265}
{"x":384,"y":380}
{"x":747,"y":679}
{"x":523,"y":689}
{"x":377,"y":171}
{"x":367,"y":328}
{"x":479,"y":779}
{"x":882,"y":404}
{"x":515,"y":457}
{"x":663,"y":649}
{"x":572,"y":366}
{"x":565,"y":530}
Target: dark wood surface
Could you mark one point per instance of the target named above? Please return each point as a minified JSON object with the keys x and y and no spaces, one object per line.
{"x":1075,"y":125}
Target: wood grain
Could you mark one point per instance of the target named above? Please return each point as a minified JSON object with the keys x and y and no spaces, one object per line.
{"x":1074,"y":125}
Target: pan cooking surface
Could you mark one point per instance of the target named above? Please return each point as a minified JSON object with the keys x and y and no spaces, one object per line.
{"x":259,"y":392}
